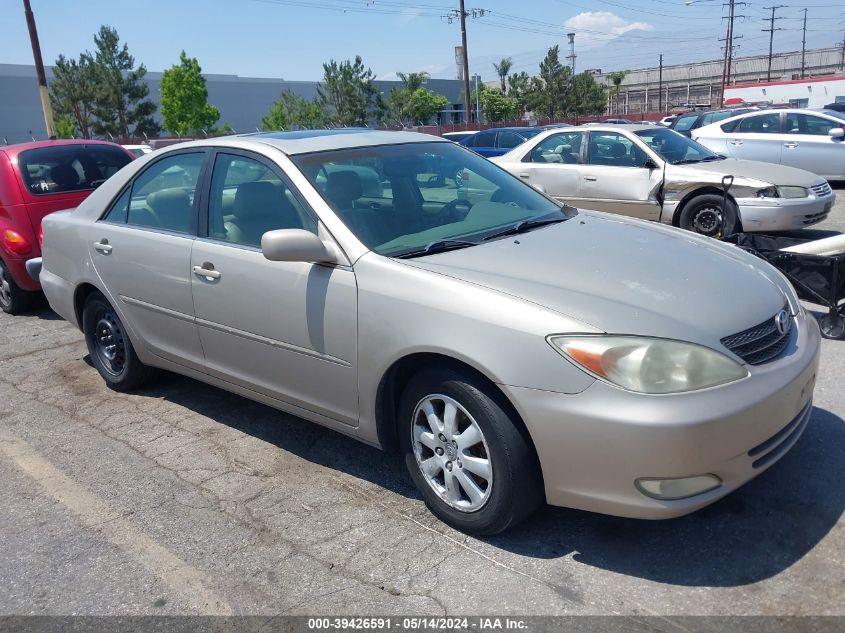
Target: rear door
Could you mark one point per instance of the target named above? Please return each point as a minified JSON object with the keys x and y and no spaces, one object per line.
{"x":616,"y":178}
{"x":555,"y":164}
{"x":141,"y":249}
{"x":484,"y":143}
{"x":808,"y":145}
{"x":756,"y":137}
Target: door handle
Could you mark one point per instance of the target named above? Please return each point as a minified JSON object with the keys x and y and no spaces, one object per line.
{"x":103,"y":246}
{"x":207,"y":271}
{"x":525,"y":174}
{"x":735,"y":142}
{"x":590,"y":178}
{"x":790,"y":144}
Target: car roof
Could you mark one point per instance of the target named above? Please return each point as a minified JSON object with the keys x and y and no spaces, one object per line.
{"x":17,"y":148}
{"x":307,"y":141}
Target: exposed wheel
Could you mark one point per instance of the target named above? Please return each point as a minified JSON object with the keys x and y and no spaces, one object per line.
{"x":476,"y":470}
{"x":109,"y":346}
{"x":704,"y":215}
{"x":13,"y":298}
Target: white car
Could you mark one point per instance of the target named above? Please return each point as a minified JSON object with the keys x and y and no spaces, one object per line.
{"x":138,"y":150}
{"x":808,"y":139}
{"x":653,"y":173}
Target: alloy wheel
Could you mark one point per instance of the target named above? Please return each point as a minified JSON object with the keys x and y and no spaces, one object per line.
{"x":451,"y":453}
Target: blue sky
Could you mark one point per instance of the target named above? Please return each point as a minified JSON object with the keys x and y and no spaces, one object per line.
{"x":291,"y":38}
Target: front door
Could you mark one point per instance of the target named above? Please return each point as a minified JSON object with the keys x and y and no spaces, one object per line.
{"x":756,"y":137}
{"x":287,"y":330}
{"x":807,"y":145}
{"x":141,"y":249}
{"x":554,"y":166}
{"x":618,"y":177}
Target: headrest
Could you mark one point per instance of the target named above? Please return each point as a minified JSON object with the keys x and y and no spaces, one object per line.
{"x":257,"y":198}
{"x":64,"y":175}
{"x":618,"y":150}
{"x":169,"y":201}
{"x":342,"y":187}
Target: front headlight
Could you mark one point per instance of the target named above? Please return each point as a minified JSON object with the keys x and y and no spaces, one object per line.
{"x":792,"y":192}
{"x":649,"y":365}
{"x":768,"y":192}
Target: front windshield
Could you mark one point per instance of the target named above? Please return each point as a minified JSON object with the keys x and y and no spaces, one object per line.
{"x":398,"y":199}
{"x":676,"y":148}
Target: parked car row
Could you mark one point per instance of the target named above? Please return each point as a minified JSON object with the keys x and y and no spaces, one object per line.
{"x":516,"y":350}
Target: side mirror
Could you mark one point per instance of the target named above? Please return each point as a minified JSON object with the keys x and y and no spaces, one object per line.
{"x":296,"y":245}
{"x":836,"y":133}
{"x":650,"y":164}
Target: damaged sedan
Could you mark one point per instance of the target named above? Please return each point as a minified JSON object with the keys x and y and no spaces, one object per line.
{"x":657,"y":174}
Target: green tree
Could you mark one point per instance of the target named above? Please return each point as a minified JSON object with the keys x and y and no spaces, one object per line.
{"x":548,"y":95}
{"x":291,"y":110}
{"x":121,"y":104}
{"x":424,"y":104}
{"x":502,"y":69}
{"x":497,"y":106}
{"x":65,"y":126}
{"x":519,"y":87}
{"x":588,"y":97}
{"x":184,"y":98}
{"x":347,"y":92}
{"x":72,"y":92}
{"x":616,"y":79}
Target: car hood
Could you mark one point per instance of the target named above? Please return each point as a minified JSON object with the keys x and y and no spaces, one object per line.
{"x":769,"y":173}
{"x":625,"y":276}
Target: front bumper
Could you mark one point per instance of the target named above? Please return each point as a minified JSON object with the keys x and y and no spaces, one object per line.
{"x":783,"y":214}
{"x":594,"y":445}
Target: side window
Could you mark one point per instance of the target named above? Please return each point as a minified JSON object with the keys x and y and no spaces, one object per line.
{"x":558,"y":148}
{"x":614,"y":149}
{"x":760,"y":124}
{"x":248,"y":199}
{"x":119,"y":210}
{"x":685,"y":123}
{"x":163,"y":194}
{"x":485,"y":139}
{"x":509,"y":140}
{"x":714,"y":117}
{"x":807,"y":124}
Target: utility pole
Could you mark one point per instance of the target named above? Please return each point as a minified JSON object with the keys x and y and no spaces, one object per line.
{"x":660,"y":86}
{"x":571,"y":57}
{"x":803,"y":43}
{"x":729,"y":46}
{"x":771,"y":31}
{"x":39,"y":71}
{"x":463,"y":14}
{"x":842,"y":54}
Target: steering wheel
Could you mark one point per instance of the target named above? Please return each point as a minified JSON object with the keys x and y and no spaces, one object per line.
{"x":501,"y":196}
{"x":455,"y":211}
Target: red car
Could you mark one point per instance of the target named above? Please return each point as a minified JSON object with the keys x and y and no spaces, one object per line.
{"x":36,"y":179}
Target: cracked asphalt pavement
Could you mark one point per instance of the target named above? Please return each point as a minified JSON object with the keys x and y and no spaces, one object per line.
{"x":184,"y":499}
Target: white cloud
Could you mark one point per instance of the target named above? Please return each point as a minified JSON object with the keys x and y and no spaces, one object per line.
{"x":596,"y":28}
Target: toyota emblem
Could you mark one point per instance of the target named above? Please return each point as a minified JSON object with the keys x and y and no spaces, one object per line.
{"x":783,"y":322}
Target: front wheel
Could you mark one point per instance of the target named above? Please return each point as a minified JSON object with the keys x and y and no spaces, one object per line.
{"x":109,"y":346}
{"x":706,"y":215}
{"x":472,"y":462}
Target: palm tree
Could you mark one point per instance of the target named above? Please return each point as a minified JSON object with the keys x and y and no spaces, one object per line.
{"x":616,"y":78}
{"x":413,"y":81}
{"x":502,"y":69}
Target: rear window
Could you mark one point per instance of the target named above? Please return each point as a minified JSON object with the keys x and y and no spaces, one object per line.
{"x":63,"y":168}
{"x":684,"y":123}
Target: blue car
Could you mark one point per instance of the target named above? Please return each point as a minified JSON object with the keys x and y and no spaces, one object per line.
{"x":498,"y":141}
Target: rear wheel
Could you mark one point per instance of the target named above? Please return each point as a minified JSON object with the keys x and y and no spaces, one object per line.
{"x":472,"y":462}
{"x":13,"y":298}
{"x":109,"y":346}
{"x":705,"y":215}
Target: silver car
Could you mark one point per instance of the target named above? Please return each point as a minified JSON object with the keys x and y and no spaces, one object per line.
{"x":806,"y":139}
{"x":652,"y":173}
{"x":514,"y":349}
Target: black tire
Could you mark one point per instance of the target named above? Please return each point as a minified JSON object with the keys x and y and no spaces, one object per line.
{"x":704,"y":215}
{"x":109,"y":346}
{"x":516,"y":486}
{"x":13,"y":298}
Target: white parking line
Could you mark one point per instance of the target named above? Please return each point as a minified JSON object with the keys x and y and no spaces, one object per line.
{"x":115,"y":527}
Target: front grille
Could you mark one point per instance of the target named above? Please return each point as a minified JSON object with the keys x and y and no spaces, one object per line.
{"x":758,"y":344}
{"x":822,"y":189}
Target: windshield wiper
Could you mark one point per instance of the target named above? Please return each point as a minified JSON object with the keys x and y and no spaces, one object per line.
{"x":437,"y":246}
{"x":523,"y":226}
{"x":687,"y":161}
{"x":714,"y":157}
